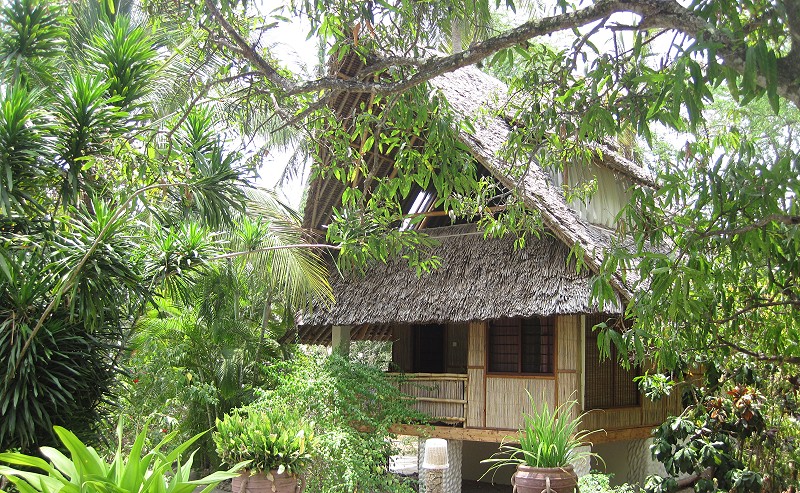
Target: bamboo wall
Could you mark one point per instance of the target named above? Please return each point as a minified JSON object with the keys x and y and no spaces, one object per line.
{"x":647,"y":414}
{"x":476,"y":371}
{"x":499,"y":401}
{"x":569,"y":360}
{"x":506,"y":399}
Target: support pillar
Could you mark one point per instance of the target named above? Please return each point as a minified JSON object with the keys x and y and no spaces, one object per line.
{"x":340,"y":339}
{"x":451,"y":481}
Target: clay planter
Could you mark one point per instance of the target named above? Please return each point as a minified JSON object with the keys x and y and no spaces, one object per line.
{"x":260,"y":483}
{"x":534,"y":479}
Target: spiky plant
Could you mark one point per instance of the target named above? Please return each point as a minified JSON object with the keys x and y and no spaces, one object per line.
{"x":547,"y":439}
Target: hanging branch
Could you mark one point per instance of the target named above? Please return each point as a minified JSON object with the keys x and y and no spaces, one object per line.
{"x":655,"y":14}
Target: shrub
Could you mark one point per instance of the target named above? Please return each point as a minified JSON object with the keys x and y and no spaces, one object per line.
{"x":353,"y":406}
{"x":85,"y":470}
{"x":601,"y":483}
{"x":268,"y":438}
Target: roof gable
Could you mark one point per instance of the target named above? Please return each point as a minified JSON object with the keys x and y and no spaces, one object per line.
{"x":474,"y":95}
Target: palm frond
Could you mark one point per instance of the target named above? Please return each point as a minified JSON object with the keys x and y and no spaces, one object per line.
{"x":23,"y":130}
{"x":299,"y":273}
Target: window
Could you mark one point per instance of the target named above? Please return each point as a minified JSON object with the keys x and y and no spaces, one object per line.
{"x":521,"y":345}
{"x":608,"y":385}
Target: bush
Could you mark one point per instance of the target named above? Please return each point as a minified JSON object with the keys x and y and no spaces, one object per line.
{"x":601,"y":483}
{"x":270,"y":439}
{"x":86,"y":470}
{"x":353,"y":406}
{"x":739,"y":431}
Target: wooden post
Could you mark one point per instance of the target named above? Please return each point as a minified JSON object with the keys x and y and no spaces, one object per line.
{"x":340,"y":339}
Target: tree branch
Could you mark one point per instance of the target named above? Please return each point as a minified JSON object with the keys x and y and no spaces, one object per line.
{"x":772,"y":218}
{"x":760,"y":356}
{"x":247,"y":51}
{"x":755,"y":306}
{"x":658,"y":14}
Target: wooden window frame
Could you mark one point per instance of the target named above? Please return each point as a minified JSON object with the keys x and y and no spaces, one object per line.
{"x":544,"y":322}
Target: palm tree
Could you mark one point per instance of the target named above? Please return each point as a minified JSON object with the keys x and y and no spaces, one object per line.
{"x":100,"y":175}
{"x":203,"y":348}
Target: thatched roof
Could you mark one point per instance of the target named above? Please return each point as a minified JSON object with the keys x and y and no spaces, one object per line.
{"x":479,"y":279}
{"x":460,"y":88}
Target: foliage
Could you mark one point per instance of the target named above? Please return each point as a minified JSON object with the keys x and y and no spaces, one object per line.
{"x":725,"y":206}
{"x":726,"y":209}
{"x":112,"y":197}
{"x":596,"y":482}
{"x":352,"y":406}
{"x":153,"y":471}
{"x":548,"y":438}
{"x":731,"y":435}
{"x":199,"y":356}
{"x":269,"y":438}
{"x":68,"y":248}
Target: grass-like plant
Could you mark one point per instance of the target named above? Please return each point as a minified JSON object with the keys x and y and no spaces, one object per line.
{"x":84,"y":470}
{"x":269,"y":439}
{"x":547,"y":439}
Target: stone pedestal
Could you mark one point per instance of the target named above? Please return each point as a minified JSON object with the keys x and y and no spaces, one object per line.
{"x":583,"y":465}
{"x":451,"y":477}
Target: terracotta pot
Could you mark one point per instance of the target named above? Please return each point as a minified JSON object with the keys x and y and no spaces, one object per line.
{"x":535,"y":479}
{"x":260,"y":483}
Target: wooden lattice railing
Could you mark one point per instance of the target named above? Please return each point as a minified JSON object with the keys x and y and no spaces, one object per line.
{"x":443,"y":396}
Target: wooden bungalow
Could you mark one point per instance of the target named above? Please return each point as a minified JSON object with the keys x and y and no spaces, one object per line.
{"x":494,"y":322}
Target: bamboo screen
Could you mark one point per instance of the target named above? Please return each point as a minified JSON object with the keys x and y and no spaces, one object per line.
{"x":523,"y":346}
{"x":608,"y":385}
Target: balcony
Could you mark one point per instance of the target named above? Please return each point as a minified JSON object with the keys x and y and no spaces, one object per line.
{"x":443,"y":396}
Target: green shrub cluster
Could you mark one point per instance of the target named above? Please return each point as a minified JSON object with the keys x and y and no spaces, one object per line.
{"x":165,"y":468}
{"x":601,"y":483}
{"x":269,"y":438}
{"x":353,"y":406}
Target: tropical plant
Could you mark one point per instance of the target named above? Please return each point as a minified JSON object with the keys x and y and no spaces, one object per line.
{"x":731,"y":437}
{"x":596,"y":482}
{"x":548,"y":439}
{"x":353,"y":405}
{"x":86,"y":187}
{"x":726,"y":206}
{"x":201,"y":349}
{"x":269,"y":439}
{"x":157,"y":470}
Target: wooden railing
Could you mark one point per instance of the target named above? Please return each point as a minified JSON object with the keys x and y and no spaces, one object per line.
{"x":443,"y":396}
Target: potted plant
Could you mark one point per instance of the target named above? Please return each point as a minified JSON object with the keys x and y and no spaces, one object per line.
{"x":277,"y":443}
{"x":544,"y":451}
{"x":84,"y":469}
